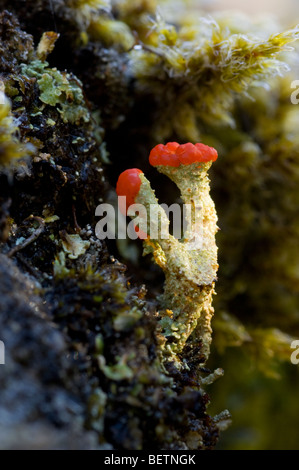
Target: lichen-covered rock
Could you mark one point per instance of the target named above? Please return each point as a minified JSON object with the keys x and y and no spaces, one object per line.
{"x":135,"y":402}
{"x":16,"y":46}
{"x":63,"y":178}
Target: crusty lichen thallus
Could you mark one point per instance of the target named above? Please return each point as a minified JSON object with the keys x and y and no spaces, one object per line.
{"x":190,"y":265}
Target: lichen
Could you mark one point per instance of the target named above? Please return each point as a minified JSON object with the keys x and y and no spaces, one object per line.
{"x":73,"y":245}
{"x":190,"y":265}
{"x":61,"y":90}
{"x":173,"y":75}
{"x":109,"y":328}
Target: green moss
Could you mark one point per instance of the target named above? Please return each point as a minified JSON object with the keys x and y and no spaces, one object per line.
{"x":211,"y":63}
{"x":260,"y":200}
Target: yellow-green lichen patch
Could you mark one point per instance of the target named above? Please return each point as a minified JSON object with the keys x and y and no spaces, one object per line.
{"x":59,"y":89}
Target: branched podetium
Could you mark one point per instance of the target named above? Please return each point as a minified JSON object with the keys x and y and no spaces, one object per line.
{"x":190,"y":263}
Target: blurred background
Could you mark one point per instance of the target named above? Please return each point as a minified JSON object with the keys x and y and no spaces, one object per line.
{"x":285,"y":9}
{"x":265,"y":410}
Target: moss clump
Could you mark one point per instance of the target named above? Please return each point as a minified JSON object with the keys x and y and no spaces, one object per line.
{"x":261,"y":202}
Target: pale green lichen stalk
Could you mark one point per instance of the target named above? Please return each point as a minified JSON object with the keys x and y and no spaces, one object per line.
{"x":190,"y":277}
{"x":190,"y":264}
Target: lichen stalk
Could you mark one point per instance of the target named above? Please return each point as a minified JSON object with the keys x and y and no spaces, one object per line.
{"x":190,"y":277}
{"x":190,"y":264}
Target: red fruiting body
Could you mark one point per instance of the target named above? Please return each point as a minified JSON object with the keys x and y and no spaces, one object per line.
{"x":208,"y":154}
{"x":128,"y":185}
{"x":174,"y":155}
{"x":188,"y":153}
{"x":165,"y":155}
